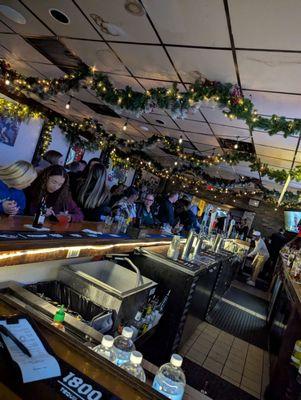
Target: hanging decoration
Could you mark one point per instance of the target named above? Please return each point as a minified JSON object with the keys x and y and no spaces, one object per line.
{"x":90,"y":135}
{"x":202,"y":91}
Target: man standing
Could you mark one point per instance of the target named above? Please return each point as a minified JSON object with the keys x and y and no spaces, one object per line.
{"x":260,"y":254}
{"x":277,"y":241}
{"x":166,"y":210}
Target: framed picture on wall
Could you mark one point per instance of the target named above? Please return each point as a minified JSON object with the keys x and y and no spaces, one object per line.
{"x":9,"y":128}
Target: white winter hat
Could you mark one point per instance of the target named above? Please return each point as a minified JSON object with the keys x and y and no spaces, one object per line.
{"x":256,"y":233}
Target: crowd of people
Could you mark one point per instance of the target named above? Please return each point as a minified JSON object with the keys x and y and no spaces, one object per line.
{"x":80,"y":191}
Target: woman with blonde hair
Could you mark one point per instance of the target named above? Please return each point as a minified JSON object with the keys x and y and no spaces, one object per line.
{"x":13,"y":179}
{"x":92,"y":194}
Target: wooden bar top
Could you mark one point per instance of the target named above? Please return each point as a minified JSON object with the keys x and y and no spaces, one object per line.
{"x":17,"y":251}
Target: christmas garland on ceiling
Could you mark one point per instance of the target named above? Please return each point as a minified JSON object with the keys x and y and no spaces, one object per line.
{"x":90,"y":135}
{"x":226,"y":96}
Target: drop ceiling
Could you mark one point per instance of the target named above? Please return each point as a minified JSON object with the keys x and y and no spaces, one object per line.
{"x":175,"y":40}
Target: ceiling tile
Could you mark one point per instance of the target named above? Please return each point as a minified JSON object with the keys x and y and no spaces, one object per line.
{"x":278,"y":140}
{"x":167,"y":121}
{"x":96,"y":54}
{"x":194,"y":126}
{"x":189,"y":22}
{"x":145,"y":61}
{"x":270,"y":71}
{"x":78,"y":26}
{"x":214,"y":64}
{"x":275,"y":163}
{"x":85,"y":95}
{"x":276,"y":103}
{"x":204,"y":139}
{"x":32,"y":27}
{"x":269,"y":24}
{"x":207,"y":148}
{"x":47,"y":70}
{"x":120,"y":82}
{"x":216,"y":115}
{"x":152,"y":83}
{"x":231,"y":132}
{"x":170,"y":132}
{"x":144,"y":128}
{"x":272,"y":152}
{"x":132,"y":28}
{"x":194,"y":116}
{"x":3,"y":27}
{"x":20,"y":49}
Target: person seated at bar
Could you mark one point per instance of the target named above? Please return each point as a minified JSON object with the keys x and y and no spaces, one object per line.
{"x":144,"y":211}
{"x":117,"y":192}
{"x":80,"y":178}
{"x":51,"y":157}
{"x":166,"y":214}
{"x":75,"y":171}
{"x":52,"y":185}
{"x":13,"y":179}
{"x":260,"y":255}
{"x":183,"y":210}
{"x":126,"y":207}
{"x":93,"y":195}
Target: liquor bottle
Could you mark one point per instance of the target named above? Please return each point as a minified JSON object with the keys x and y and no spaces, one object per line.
{"x":40,"y":215}
{"x":147,"y":321}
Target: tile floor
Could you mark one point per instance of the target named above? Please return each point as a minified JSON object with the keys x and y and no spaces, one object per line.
{"x":238,"y":362}
{"x":190,"y":392}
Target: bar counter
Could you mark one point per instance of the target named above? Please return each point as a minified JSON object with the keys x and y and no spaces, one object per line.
{"x":65,"y":241}
{"x":74,"y":357}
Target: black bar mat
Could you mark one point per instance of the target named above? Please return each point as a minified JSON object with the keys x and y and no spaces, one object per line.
{"x":239,"y":323}
{"x":217,"y":388}
{"x":247,"y":300}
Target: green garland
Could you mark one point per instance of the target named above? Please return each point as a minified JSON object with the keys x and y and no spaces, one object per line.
{"x":226,"y":96}
{"x":91,"y":136}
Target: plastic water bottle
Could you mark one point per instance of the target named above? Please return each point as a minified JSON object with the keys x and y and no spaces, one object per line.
{"x":133,"y":366}
{"x":105,"y":349}
{"x":123,"y":346}
{"x":170,"y":379}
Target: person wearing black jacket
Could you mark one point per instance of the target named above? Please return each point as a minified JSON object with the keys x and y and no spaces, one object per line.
{"x":166,"y":212}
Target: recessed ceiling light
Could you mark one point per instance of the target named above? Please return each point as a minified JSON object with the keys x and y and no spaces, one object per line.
{"x":144,"y":128}
{"x":160,"y":121}
{"x":59,"y":16}
{"x":12,"y":14}
{"x":134,"y":8}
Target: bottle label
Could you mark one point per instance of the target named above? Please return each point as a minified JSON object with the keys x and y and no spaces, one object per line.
{"x":172,"y":396}
{"x":41,"y":219}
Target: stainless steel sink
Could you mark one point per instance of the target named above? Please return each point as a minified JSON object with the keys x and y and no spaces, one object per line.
{"x":110,"y":285}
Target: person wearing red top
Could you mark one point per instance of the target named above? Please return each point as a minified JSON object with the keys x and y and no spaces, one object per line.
{"x":52,"y":185}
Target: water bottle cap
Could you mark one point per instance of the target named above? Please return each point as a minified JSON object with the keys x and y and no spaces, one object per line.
{"x":107,"y":341}
{"x":176,"y":360}
{"x":136,"y":357}
{"x":127,"y":332}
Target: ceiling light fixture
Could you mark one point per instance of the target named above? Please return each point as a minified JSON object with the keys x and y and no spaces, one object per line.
{"x":59,"y":16}
{"x":12,"y":14}
{"x":134,"y":7}
{"x":159,"y":121}
{"x":67,"y":106}
{"x":236,"y":144}
{"x":7,"y":82}
{"x":124,"y":128}
{"x":181,"y":140}
{"x":144,"y":128}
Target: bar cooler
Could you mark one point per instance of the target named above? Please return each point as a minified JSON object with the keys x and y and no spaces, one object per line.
{"x":191,"y":288}
{"x":96,"y":295}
